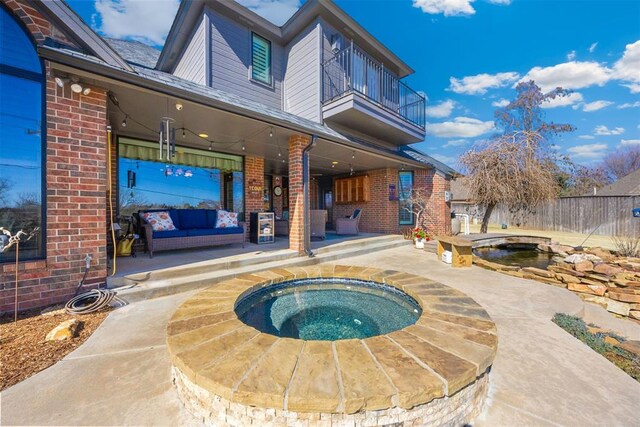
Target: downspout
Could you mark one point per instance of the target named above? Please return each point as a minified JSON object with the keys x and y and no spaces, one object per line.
{"x":305,"y":196}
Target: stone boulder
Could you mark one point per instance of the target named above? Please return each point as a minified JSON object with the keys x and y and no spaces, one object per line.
{"x":583,"y":266}
{"x":65,"y":330}
{"x":606,"y":269}
{"x":576,"y":258}
{"x":601,"y":253}
{"x":539,"y":272}
{"x":618,"y":307}
{"x":598,"y":290}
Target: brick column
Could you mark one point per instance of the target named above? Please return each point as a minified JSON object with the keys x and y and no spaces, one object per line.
{"x":296,"y":196}
{"x":253,"y":185}
{"x":439,"y":212}
{"x":277,"y":200}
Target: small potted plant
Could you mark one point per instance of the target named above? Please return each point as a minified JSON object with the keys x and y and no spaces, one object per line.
{"x":420,"y":236}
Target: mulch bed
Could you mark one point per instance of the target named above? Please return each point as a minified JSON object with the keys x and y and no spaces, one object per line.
{"x":24,"y":349}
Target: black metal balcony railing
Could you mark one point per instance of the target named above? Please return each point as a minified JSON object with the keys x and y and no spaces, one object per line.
{"x":352,"y":70}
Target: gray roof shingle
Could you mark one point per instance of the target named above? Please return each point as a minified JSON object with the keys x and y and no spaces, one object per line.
{"x":135,"y":52}
{"x":626,"y":186}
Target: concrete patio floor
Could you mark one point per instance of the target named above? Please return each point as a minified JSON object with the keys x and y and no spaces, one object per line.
{"x":541,"y":374}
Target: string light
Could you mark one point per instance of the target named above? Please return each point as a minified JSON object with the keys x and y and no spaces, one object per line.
{"x":271,"y":132}
{"x":184,"y":134}
{"x":210,"y":145}
{"x":353,"y":155}
{"x":124,"y":121}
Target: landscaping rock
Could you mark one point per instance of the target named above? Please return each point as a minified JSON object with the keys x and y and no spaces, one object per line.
{"x":618,"y":295}
{"x":601,"y":301}
{"x":583,"y":266}
{"x":561,"y":249}
{"x":601,"y":253}
{"x":567,"y":278}
{"x":565,"y":269}
{"x":587,"y":289}
{"x":617,"y":307}
{"x":572,"y":259}
{"x":596,"y":277}
{"x":548,"y":281}
{"x":539,"y":272}
{"x":635,"y":314}
{"x":65,"y":330}
{"x":607,"y":269}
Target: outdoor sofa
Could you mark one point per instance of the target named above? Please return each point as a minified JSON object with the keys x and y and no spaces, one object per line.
{"x":194,"y":228}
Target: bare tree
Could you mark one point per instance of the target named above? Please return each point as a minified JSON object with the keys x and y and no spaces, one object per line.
{"x":416,"y":203}
{"x":622,"y":162}
{"x":515,"y":167}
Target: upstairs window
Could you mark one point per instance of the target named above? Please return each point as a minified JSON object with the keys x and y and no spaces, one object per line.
{"x":261,"y":59}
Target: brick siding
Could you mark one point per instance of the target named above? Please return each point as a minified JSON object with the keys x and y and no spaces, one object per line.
{"x":296,"y":206}
{"x":253,"y":177}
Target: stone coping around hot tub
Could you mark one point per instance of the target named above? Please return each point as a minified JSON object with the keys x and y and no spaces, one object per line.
{"x":452,"y":344}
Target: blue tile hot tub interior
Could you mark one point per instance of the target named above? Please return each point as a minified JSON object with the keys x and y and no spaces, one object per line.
{"x":328,"y":309}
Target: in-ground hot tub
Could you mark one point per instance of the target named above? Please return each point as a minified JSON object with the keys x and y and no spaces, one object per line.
{"x":332,"y":345}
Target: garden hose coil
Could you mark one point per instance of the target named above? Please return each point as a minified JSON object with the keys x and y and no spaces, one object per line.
{"x":92,"y":301}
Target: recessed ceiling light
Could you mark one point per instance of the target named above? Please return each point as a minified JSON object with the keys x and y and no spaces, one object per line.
{"x":203,"y":135}
{"x":334,"y":163}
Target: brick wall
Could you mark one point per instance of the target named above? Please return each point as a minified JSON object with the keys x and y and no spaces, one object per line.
{"x":296,"y":204}
{"x":76,"y":177}
{"x":380,"y":215}
{"x":253,"y":185}
{"x":76,"y":198}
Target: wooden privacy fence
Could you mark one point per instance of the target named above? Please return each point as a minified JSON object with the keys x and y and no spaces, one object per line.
{"x":579,"y":215}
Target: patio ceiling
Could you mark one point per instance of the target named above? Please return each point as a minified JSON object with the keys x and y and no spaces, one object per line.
{"x":231,"y":132}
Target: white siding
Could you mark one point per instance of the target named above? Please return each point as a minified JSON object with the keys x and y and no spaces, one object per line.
{"x":192,"y":63}
{"x":231,"y":61}
{"x":303,"y":74}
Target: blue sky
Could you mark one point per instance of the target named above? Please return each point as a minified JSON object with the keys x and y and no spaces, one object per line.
{"x":468,"y":55}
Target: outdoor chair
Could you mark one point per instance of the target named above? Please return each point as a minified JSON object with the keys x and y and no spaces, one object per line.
{"x":346,"y":226}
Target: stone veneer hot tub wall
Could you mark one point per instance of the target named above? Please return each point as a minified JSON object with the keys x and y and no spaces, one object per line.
{"x":434,"y":372}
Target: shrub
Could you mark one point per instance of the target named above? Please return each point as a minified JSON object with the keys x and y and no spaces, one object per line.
{"x":628,"y":246}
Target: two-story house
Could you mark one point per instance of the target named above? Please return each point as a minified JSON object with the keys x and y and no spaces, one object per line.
{"x":234,"y":113}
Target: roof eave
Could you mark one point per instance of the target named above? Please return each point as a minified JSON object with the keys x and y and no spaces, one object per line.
{"x":113,"y":73}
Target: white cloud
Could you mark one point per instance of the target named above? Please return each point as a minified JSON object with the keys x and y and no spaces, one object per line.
{"x":569,"y":75}
{"x":275,"y":11}
{"x":446,"y":7}
{"x":629,"y":142}
{"x":588,"y":151}
{"x":148,"y":22}
{"x":627,"y":68}
{"x":460,"y":127}
{"x":593,"y":47}
{"x":587,"y":137}
{"x":478,"y":84}
{"x":603,"y":130}
{"x":441,"y":110}
{"x":501,"y":103}
{"x":455,"y":143}
{"x":445,"y":159}
{"x":563,"y":101}
{"x":629,"y":105}
{"x":595,"y":105}
{"x":571,"y":55}
{"x":633,"y":87}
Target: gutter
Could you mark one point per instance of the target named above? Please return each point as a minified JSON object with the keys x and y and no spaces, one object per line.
{"x":143,"y":82}
{"x":305,"y":196}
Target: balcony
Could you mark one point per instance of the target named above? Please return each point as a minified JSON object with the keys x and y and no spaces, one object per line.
{"x":357,"y":89}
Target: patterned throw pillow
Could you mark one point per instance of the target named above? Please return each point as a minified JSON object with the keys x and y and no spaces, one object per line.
{"x":160,"y":221}
{"x":226,"y":219}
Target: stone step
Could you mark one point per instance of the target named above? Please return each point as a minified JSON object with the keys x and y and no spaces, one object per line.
{"x":155,"y":288}
{"x":242,"y":260}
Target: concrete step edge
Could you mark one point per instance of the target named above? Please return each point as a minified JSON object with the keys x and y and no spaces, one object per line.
{"x":194,"y":282}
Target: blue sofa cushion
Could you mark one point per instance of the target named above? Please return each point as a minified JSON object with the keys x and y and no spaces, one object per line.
{"x":202,"y":232}
{"x":212,"y":216}
{"x":192,"y":218}
{"x":168,"y":234}
{"x":229,"y":230}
